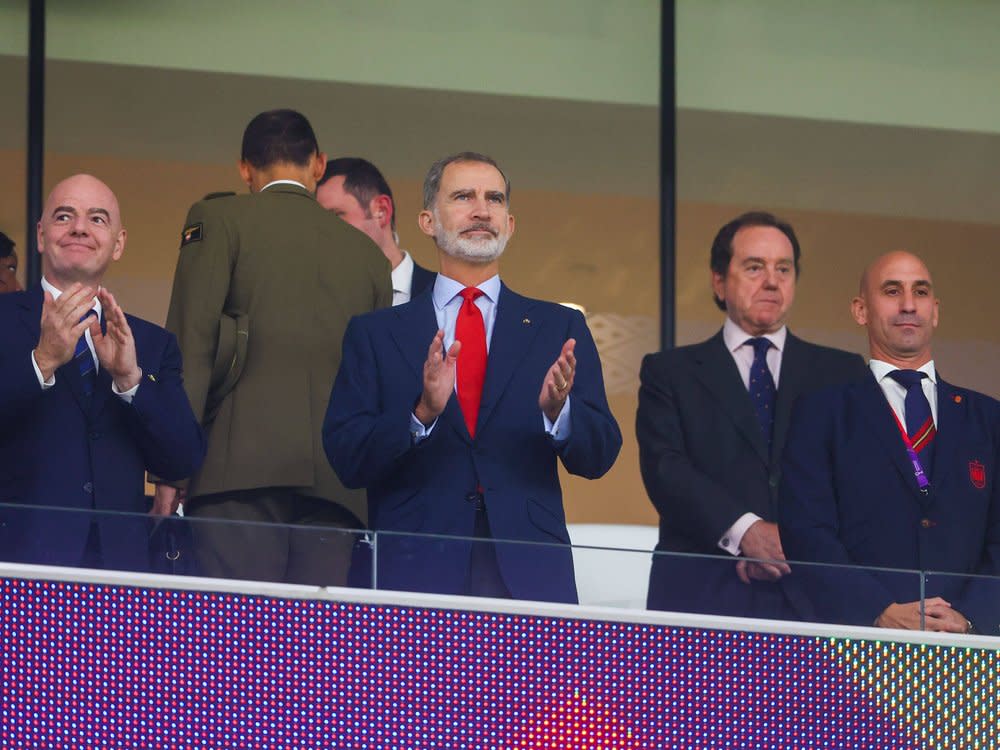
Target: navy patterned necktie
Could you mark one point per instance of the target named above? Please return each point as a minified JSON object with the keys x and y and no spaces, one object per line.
{"x":919,"y":421}
{"x":762,"y":390}
{"x":85,"y":360}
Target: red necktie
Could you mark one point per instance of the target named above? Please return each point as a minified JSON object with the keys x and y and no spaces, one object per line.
{"x":471,"y":331}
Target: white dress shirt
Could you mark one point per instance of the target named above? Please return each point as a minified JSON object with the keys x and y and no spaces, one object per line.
{"x":895,"y":393}
{"x":447,"y":303}
{"x":402,"y":280}
{"x":735,"y":339}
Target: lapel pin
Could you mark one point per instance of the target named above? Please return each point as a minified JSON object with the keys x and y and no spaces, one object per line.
{"x":527,"y":321}
{"x":958,"y":399}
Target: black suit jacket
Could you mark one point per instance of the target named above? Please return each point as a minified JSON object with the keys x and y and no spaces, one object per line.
{"x":422,"y":279}
{"x":705,"y":463}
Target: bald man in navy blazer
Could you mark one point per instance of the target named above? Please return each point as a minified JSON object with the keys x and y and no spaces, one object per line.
{"x":92,"y":398}
{"x":480,"y":474}
{"x":897,"y":471}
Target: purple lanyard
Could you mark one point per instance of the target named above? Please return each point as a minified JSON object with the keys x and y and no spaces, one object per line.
{"x":918,"y":470}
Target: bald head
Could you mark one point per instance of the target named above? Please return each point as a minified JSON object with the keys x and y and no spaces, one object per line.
{"x":80,"y":232}
{"x":896,"y":303}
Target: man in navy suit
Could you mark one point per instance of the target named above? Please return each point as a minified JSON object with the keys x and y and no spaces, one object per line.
{"x":712,"y":424}
{"x":91,"y":397}
{"x":896,"y":471}
{"x":454,"y":409}
{"x":356,"y":191}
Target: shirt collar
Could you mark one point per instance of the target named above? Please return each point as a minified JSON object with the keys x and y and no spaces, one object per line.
{"x":735,"y":337}
{"x":283,"y":182}
{"x":446,"y":289}
{"x":402,"y":275}
{"x":57,"y":293}
{"x":882,"y":369}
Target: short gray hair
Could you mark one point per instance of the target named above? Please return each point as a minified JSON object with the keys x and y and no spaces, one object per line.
{"x":432,"y":182}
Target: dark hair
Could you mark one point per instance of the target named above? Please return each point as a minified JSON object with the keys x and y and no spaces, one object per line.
{"x":362,"y":180}
{"x":280,"y":136}
{"x":6,"y":246}
{"x":722,"y":245}
{"x":432,"y":182}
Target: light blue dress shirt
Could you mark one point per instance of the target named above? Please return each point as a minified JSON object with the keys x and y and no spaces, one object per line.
{"x":447,"y":303}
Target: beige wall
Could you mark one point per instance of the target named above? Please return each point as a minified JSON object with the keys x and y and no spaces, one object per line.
{"x":601,"y":251}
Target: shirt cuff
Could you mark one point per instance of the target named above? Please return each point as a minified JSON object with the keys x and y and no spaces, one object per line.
{"x":45,"y":384}
{"x":562,"y":428}
{"x":733,"y":537}
{"x":418,"y":431}
{"x":128,"y":395}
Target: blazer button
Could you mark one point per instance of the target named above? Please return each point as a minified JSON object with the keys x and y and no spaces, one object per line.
{"x":95,"y":435}
{"x":927,"y":523}
{"x":88,"y":487}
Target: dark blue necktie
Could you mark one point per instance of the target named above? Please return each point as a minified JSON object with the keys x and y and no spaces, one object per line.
{"x":919,"y":421}
{"x":85,"y":360}
{"x":762,"y":390}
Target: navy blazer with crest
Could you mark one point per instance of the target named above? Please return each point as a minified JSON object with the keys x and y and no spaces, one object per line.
{"x":849,"y":495}
{"x":427,"y":488}
{"x":60,"y":448}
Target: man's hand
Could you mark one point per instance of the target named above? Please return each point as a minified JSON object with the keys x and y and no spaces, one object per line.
{"x":116,"y":348}
{"x":61,"y":327}
{"x":439,"y":379}
{"x":558,"y":382}
{"x":167,"y":499}
{"x":761,"y":541}
{"x":938,"y":616}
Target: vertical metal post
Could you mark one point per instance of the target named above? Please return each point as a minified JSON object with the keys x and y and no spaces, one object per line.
{"x":36,"y":137}
{"x":668,"y":174}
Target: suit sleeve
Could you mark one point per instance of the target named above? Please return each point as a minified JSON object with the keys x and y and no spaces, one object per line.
{"x":808,"y":519}
{"x":980,"y":602}
{"x":596,"y":439}
{"x":362,"y":440}
{"x":680,"y":491}
{"x":20,"y":389}
{"x":161,"y":421}
{"x":201,"y":284}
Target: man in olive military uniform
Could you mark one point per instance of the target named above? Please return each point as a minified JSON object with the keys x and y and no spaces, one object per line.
{"x":265,"y":286}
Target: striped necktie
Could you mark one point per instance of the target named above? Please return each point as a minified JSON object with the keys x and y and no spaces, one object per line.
{"x":85,"y":360}
{"x":919,"y":420}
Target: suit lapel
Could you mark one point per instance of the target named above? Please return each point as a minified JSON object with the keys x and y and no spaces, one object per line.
{"x":414,"y":328}
{"x":717,"y":371}
{"x":413,"y":331}
{"x":872,"y":404}
{"x":792,"y":381}
{"x":946,"y":440}
{"x":513,"y":332}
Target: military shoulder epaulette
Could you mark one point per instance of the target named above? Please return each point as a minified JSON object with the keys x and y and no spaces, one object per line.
{"x":223,"y":194}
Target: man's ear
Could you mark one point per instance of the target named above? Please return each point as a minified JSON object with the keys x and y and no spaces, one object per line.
{"x":318,"y":166}
{"x":381,"y":209}
{"x":246,"y":173}
{"x":859,"y":311}
{"x":425,"y":220}
{"x":718,"y":285}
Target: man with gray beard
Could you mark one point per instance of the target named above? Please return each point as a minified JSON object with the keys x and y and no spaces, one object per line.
{"x":452,"y":411}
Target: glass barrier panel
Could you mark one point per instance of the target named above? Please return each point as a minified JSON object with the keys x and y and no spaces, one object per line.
{"x":962,"y":603}
{"x":773,"y":589}
{"x":178,"y":545}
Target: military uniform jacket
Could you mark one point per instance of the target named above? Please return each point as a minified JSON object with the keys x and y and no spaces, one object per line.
{"x":265,"y":286}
